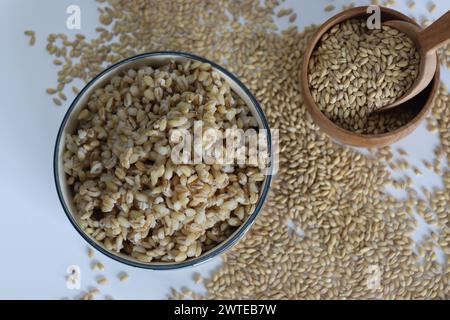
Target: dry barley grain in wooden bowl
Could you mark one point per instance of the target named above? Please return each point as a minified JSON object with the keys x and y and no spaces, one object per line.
{"x":355,"y":71}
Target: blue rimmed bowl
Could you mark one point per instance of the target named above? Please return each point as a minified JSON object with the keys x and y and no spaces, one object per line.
{"x":69,"y":123}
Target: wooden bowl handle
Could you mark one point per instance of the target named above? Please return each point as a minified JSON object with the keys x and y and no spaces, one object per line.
{"x":437,"y":34}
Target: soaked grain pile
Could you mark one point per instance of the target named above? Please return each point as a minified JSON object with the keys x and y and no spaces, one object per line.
{"x":346,"y":229}
{"x":132,"y":195}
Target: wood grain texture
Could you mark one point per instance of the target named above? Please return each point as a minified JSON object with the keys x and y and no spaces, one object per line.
{"x":427,"y":41}
{"x":427,"y":66}
{"x":437,"y":34}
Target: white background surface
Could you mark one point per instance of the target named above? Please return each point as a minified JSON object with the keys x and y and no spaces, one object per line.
{"x":37,"y":242}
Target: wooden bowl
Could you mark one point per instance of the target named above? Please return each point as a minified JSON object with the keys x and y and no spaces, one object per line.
{"x":420,"y":105}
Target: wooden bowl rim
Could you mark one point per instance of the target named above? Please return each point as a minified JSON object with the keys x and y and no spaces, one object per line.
{"x":335,"y":131}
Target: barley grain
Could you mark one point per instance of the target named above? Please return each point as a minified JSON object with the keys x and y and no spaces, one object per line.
{"x":417,"y":171}
{"x":329,"y":7}
{"x":292,"y":17}
{"x":62,"y":96}
{"x":402,"y":152}
{"x":284,"y":12}
{"x":427,"y":164}
{"x":123,"y":277}
{"x":198,"y":278}
{"x":354,"y":71}
{"x":75,"y":90}
{"x":32,"y":35}
{"x":333,"y":194}
{"x":57,"y":102}
{"x":348,"y":6}
{"x":102,"y":281}
{"x":98,"y":266}
{"x":411,"y":4}
{"x":431,"y":6}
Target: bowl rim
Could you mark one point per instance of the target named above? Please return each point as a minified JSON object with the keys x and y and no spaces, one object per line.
{"x":335,"y":131}
{"x":221,"y":247}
